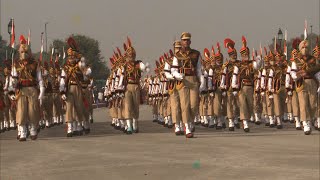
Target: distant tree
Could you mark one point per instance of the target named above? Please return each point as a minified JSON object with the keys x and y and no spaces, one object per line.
{"x":89,"y":48}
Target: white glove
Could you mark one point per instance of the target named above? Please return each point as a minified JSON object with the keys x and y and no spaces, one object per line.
{"x":13,"y":97}
{"x":235,"y":93}
{"x":271,"y":97}
{"x":88,"y":72}
{"x":106,"y":99}
{"x":212,"y":94}
{"x":289,"y":93}
{"x":262,"y":93}
{"x":224,"y":94}
{"x":64,"y":97}
{"x":318,"y":91}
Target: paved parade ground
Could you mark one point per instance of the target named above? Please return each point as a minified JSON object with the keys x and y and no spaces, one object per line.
{"x":156,"y":153}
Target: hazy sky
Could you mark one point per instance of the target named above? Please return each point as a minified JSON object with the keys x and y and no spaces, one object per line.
{"x":152,"y":25}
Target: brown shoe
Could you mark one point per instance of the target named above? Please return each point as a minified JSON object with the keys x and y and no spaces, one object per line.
{"x":22,"y":139}
{"x":33,"y":137}
{"x":190,"y":135}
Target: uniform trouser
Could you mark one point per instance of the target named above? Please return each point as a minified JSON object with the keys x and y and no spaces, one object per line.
{"x":270,"y":106}
{"x":2,"y":108}
{"x":264,"y":104}
{"x":86,"y":111}
{"x":57,"y":105}
{"x":307,"y":99}
{"x":28,"y":107}
{"x":160,"y":107}
{"x":217,"y":104}
{"x":279,"y":102}
{"x":46,"y":106}
{"x":90,"y":100}
{"x":154,"y":109}
{"x":289,"y":104}
{"x":168,"y":102}
{"x":224,"y":105}
{"x":131,"y":102}
{"x":211,"y":105}
{"x":295,"y":104}
{"x":246,"y":102}
{"x":203,"y":105}
{"x":9,"y":109}
{"x":175,"y":107}
{"x":75,"y":105}
{"x":189,"y":98}
{"x":231,"y":101}
{"x":113,"y":111}
{"x":257,"y":103}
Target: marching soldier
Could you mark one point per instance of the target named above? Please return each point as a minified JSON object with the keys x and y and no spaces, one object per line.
{"x":276,"y":88}
{"x":226,"y":87}
{"x":188,"y":89}
{"x":293,"y":103}
{"x":220,"y":102}
{"x":257,"y":90}
{"x":316,"y":54}
{"x":47,"y":101}
{"x":2,"y":104}
{"x":86,"y":84}
{"x":10,"y":108}
{"x":172,"y":74}
{"x":131,"y":101}
{"x":242,"y":83}
{"x":71,"y":90}
{"x":26,"y":76}
{"x":303,"y":70}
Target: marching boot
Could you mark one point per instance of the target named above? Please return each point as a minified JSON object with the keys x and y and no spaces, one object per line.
{"x":202,"y":120}
{"x":54,"y":121}
{"x":13,"y":125}
{"x":129,"y":126}
{"x":33,"y":132}
{"x":307,"y":127}
{"x":47,"y":124}
{"x":69,"y":129}
{"x":279,"y":124}
{"x":23,"y":133}
{"x":1,"y":127}
{"x":155,"y":118}
{"x":117,"y":125}
{"x":6,"y":126}
{"x":285,"y":117}
{"x":79,"y":128}
{"x":192,"y":127}
{"x":267,"y":122}
{"x":219,"y":125}
{"x":205,"y":120}
{"x":135,"y":126}
{"x":62,"y":119}
{"x":211,"y":122}
{"x":257,"y":119}
{"x":177,"y":129}
{"x":113,"y":122}
{"x":74,"y":128}
{"x":170,"y":125}
{"x":86,"y":127}
{"x":231,"y":125}
{"x":19,"y":132}
{"x":291,"y":119}
{"x":236,"y":123}
{"x":245,"y":126}
{"x":189,"y":134}
{"x":251,"y":119}
{"x":197,"y":120}
{"x":272,"y":122}
{"x":165,"y":121}
{"x":90,"y":118}
{"x":122,"y":125}
{"x":298,"y":123}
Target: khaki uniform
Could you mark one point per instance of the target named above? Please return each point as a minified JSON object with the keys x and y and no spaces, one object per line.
{"x":188,"y":90}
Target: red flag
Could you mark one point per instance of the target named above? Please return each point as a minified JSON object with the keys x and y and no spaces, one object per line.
{"x":13,"y":35}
